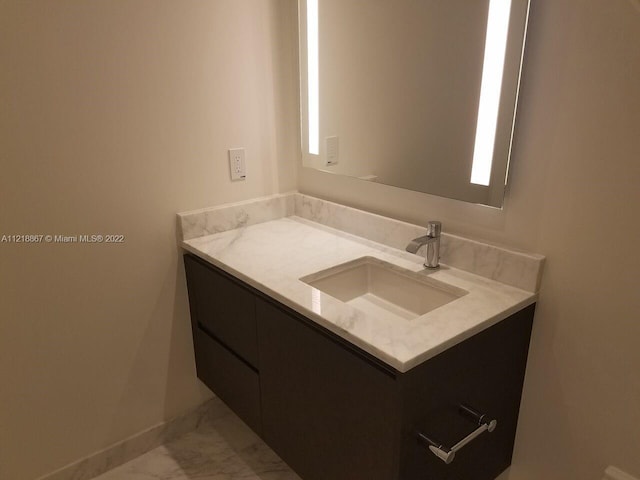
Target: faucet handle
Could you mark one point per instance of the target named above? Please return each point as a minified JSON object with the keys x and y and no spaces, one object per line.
{"x":434,"y":229}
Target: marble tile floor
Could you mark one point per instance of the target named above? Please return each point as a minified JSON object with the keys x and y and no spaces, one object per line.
{"x":222,"y":447}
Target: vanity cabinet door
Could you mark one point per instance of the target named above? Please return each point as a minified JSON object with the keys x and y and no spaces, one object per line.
{"x":328,"y":412}
{"x":223,"y":308}
{"x":486,"y":373}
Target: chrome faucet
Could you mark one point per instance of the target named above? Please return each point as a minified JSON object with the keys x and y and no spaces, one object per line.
{"x":432,"y":241}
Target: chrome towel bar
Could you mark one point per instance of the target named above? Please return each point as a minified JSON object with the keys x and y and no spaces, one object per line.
{"x":447,"y":455}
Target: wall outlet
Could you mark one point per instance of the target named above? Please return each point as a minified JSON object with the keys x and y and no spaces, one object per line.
{"x":237,"y":164}
{"x":332,"y":149}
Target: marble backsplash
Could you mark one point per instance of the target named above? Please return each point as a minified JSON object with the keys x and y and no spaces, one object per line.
{"x":208,"y":221}
{"x":518,"y":269}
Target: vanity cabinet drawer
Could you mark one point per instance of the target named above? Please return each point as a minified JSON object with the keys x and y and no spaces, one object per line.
{"x":236,"y":383}
{"x":222,"y":307}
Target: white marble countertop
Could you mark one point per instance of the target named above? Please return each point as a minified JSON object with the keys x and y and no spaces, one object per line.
{"x":274,"y":255}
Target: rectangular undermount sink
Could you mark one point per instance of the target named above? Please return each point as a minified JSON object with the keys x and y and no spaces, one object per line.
{"x":380,"y":288}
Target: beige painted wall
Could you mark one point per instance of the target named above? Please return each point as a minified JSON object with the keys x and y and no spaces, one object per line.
{"x":575,"y":197}
{"x":115,"y":115}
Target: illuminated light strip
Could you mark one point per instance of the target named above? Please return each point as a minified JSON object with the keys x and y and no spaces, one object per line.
{"x":313,"y":65}
{"x":492,"y":70}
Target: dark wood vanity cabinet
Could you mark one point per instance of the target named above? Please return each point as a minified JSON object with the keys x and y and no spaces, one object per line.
{"x":333,"y":411}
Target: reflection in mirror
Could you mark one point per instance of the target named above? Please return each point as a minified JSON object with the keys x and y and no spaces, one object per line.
{"x":418,"y":94}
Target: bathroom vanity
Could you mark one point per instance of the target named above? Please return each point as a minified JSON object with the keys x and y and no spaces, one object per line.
{"x":335,"y":386}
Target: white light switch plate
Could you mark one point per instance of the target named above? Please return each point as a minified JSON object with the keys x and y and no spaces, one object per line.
{"x":332,"y":149}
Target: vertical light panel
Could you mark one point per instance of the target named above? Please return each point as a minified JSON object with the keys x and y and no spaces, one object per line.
{"x":494,"y":54}
{"x":313,"y":80}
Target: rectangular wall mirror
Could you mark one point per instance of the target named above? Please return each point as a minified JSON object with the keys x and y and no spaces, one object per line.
{"x":418,"y":94}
